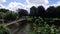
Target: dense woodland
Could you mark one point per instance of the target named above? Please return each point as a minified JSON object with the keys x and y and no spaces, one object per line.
{"x":50,"y":12}
{"x":42,"y":21}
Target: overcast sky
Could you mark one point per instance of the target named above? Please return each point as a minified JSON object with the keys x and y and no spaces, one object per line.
{"x":26,"y":4}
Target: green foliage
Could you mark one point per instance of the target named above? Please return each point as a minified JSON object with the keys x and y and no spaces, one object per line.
{"x":8,"y":15}
{"x":46,"y":29}
{"x":58,"y":11}
{"x":2,"y":15}
{"x":11,"y":15}
{"x":4,"y":30}
{"x":51,"y":12}
{"x":22,"y":12}
{"x":33,"y":11}
{"x":39,"y":26}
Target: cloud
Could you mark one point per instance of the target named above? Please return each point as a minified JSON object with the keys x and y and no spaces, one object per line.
{"x":29,"y":3}
{"x":2,"y":6}
{"x":37,"y":2}
{"x":15,"y":5}
{"x":56,"y":4}
{"x":1,"y":1}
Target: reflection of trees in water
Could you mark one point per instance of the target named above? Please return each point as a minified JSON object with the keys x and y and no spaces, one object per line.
{"x":23,"y":28}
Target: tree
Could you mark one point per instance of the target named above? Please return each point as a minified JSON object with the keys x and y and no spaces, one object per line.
{"x":33,"y":11}
{"x":41,"y":11}
{"x":1,"y":15}
{"x":51,"y":12}
{"x":10,"y":16}
{"x":33,"y":14}
{"x":3,"y":10}
{"x":22,"y":12}
{"x":58,"y":11}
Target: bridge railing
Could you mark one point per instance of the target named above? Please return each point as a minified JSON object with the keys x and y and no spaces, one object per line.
{"x":21,"y":19}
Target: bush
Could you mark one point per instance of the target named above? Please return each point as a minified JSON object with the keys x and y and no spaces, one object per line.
{"x":40,"y":26}
{"x":4,"y":30}
{"x":46,"y":29}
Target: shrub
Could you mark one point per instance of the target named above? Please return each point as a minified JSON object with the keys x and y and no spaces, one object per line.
{"x":4,"y":30}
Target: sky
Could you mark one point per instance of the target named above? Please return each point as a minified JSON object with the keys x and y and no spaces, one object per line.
{"x":26,"y":4}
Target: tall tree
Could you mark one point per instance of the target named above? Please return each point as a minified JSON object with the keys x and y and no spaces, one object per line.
{"x":58,"y":11}
{"x":22,"y":12}
{"x":10,"y":16}
{"x":41,"y":11}
{"x":3,"y":10}
{"x":51,"y":12}
{"x":33,"y":11}
{"x":1,"y":15}
{"x":33,"y":14}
